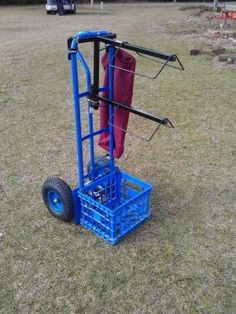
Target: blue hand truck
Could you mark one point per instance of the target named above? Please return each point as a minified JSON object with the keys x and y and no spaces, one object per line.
{"x":107,"y":201}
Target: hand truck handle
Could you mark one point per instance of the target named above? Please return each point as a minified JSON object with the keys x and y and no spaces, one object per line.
{"x":83,"y":37}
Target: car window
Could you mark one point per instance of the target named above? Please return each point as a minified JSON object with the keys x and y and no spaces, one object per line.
{"x":54,"y":2}
{"x":51,"y":2}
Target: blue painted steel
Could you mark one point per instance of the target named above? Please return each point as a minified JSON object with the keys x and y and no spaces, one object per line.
{"x":112,"y":215}
{"x":75,"y":85}
{"x":55,"y":202}
{"x":77,"y":206}
{"x":85,"y":67}
{"x":90,"y":113}
{"x":74,"y":44}
{"x":93,"y":34}
{"x":103,"y":89}
{"x":84,"y":94}
{"x":94,"y":134}
{"x":111,"y":109}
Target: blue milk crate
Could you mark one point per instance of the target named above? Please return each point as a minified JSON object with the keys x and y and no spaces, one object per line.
{"x":114,"y":205}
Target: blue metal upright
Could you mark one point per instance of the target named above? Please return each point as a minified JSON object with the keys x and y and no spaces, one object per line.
{"x":75,"y":84}
{"x":75,"y":54}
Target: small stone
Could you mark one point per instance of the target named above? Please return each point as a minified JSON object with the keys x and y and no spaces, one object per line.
{"x":194,"y":52}
{"x":229,"y":61}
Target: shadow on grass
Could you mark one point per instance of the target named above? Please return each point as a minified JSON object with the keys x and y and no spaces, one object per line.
{"x":76,"y":14}
{"x":166,"y":209}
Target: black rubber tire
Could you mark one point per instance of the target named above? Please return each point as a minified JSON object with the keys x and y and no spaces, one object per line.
{"x":65,"y":193}
{"x":52,"y":12}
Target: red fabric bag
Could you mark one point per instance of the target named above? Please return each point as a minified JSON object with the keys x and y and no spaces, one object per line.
{"x":123,"y":93}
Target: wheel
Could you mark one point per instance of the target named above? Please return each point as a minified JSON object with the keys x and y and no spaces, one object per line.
{"x":52,"y":12}
{"x":58,"y":198}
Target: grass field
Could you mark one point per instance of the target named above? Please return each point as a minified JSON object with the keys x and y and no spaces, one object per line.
{"x":183,"y":259}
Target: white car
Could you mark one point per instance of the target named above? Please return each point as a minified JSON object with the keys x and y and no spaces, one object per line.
{"x":68,"y":5}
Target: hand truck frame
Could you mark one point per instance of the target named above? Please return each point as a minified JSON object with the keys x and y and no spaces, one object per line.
{"x":107,"y":201}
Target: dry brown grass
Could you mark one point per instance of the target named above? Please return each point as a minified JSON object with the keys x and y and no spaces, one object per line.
{"x":183,"y":259}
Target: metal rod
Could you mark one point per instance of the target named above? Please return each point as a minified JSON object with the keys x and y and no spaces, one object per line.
{"x":96,"y":57}
{"x":169,"y":65}
{"x":138,"y":112}
{"x":110,"y":96}
{"x":95,"y":133}
{"x":182,"y":67}
{"x":148,"y":58}
{"x":90,"y":113}
{"x":145,"y":51}
{"x":75,"y":85}
{"x":108,"y":40}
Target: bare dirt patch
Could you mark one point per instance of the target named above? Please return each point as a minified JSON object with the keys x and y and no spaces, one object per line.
{"x":213,"y":37}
